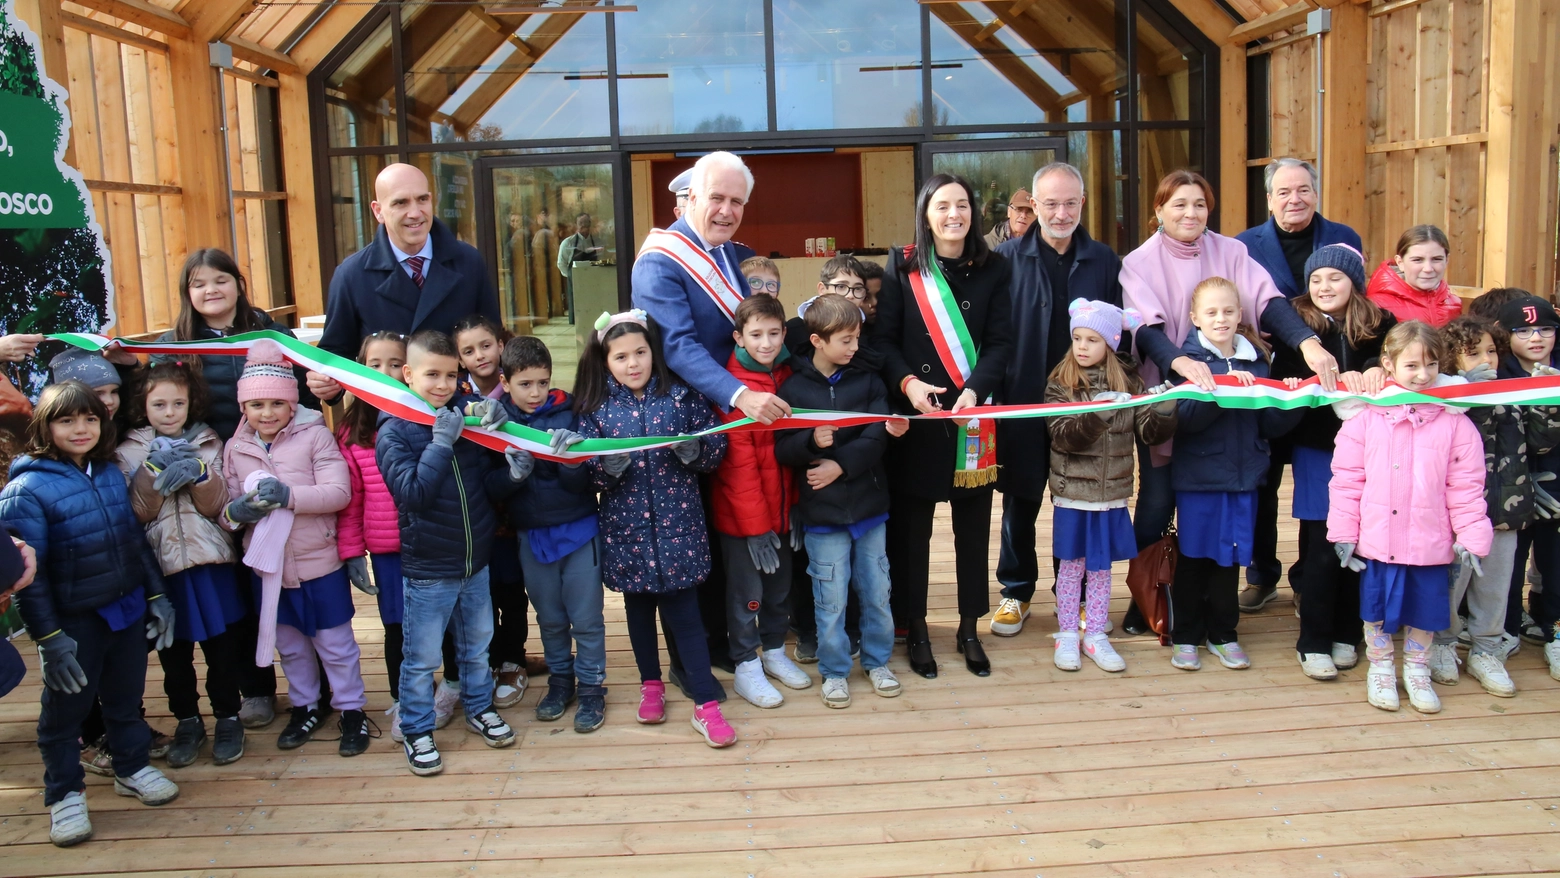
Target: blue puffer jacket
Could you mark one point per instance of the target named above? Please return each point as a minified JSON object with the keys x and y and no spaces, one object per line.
{"x":442,"y":497}
{"x":91,"y":549}
{"x":553,"y":494}
{"x":652,"y":521}
{"x":1220,"y":449}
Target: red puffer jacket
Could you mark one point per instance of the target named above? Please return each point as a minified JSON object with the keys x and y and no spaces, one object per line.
{"x":753,"y":494}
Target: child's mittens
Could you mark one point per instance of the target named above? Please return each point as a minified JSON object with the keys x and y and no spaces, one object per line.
{"x":246,"y":509}
{"x":765,"y":552}
{"x":447,"y":425}
{"x":272,"y":493}
{"x":178,"y":474}
{"x":159,"y":622}
{"x":1159,"y":388}
{"x":520,"y":463}
{"x":1347,"y":558}
{"x":57,"y":660}
{"x":164,"y":452}
{"x":490,"y":414}
{"x":687,"y":450}
{"x":357,"y":572}
{"x":614,"y":465}
{"x":1467,"y":559}
{"x":1481,"y":372}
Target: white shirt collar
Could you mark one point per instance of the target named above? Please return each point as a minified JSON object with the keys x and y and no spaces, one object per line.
{"x":426,"y":252}
{"x":1244,"y":350}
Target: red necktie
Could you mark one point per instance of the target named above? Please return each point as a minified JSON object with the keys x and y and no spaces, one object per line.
{"x":416,"y":263}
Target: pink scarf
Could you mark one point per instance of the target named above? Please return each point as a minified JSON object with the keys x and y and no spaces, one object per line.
{"x":266,"y":556}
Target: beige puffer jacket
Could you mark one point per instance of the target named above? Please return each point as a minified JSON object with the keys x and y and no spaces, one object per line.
{"x":1091,"y":454}
{"x":182,"y":529}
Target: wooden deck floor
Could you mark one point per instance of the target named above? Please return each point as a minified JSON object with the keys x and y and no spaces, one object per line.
{"x":1030,"y":772}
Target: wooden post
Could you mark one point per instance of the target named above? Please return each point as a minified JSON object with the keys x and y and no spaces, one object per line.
{"x":202,"y":169}
{"x":1232,"y":139}
{"x":298,"y":172}
{"x":1343,"y":117}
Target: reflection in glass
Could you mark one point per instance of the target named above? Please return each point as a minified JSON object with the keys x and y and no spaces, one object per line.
{"x":543,"y":214}
{"x":1169,"y":75}
{"x":507,"y":77}
{"x":847,"y":65}
{"x":1098,"y":156}
{"x":1159,"y":153}
{"x":360,"y":95}
{"x":1052,"y":62}
{"x":691,"y":67}
{"x":454,"y":190}
{"x":351,"y":191}
{"x":994,"y":174}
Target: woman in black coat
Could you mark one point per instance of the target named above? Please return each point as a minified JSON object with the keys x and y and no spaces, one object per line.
{"x":921,"y":465}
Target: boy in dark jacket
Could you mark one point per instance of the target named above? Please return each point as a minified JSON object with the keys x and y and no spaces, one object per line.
{"x":843,"y":502}
{"x":751,"y":497}
{"x":439,"y":485}
{"x":553,"y":507}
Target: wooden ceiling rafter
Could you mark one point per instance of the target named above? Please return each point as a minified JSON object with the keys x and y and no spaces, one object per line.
{"x":1002,"y":58}
{"x":547,"y":34}
{"x":147,"y":15}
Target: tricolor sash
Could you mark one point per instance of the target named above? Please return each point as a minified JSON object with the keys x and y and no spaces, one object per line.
{"x":700,"y":266}
{"x":975,"y":458}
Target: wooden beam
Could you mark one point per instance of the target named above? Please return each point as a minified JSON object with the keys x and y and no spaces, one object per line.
{"x":136,"y":188}
{"x":1343,"y":117}
{"x":118,"y":34}
{"x":198,"y":123}
{"x":250,"y":76}
{"x":1290,"y":16}
{"x":1012,"y":68}
{"x":1035,"y":32}
{"x":326,"y":34}
{"x":1389,"y":8}
{"x":1428,"y":142}
{"x":213,"y":20}
{"x":147,"y":15}
{"x":1232,"y":139}
{"x":303,"y":232}
{"x":1498,"y":178}
{"x":255,"y":53}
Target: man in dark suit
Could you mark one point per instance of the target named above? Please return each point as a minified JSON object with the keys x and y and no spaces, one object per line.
{"x":414,"y":275}
{"x":1293,"y":232}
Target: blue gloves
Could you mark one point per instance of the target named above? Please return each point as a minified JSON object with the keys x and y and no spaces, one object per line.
{"x":159,"y":622}
{"x":447,"y":425}
{"x":57,"y":657}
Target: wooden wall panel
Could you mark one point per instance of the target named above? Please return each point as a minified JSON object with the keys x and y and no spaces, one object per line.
{"x":887,"y":186}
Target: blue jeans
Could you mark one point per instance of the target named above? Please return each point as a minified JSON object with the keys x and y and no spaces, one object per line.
{"x":832,"y":559}
{"x":568,"y":600}
{"x":465,"y":608}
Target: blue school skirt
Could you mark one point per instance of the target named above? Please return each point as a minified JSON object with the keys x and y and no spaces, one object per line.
{"x":205,"y":601}
{"x":1312,"y":468}
{"x":316,"y":604}
{"x":392,"y":591}
{"x":1218,"y":525}
{"x":1098,"y":536}
{"x":1402,"y":595}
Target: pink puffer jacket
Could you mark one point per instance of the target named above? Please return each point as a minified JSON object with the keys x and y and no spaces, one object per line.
{"x":1408,"y":481}
{"x":305,"y":458}
{"x":369,"y":523}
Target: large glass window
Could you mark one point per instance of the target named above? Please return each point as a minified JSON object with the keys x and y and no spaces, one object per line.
{"x":1169,"y":73}
{"x":360,"y":95}
{"x":454,"y":190}
{"x":692,"y":67}
{"x":847,"y":65}
{"x":351,"y":191}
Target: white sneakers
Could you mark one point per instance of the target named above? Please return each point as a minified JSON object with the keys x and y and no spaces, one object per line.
{"x":1066,"y":655}
{"x":149,"y":785}
{"x":753,"y":686}
{"x":1318,"y":665}
{"x":1443,"y":664}
{"x":446,"y":700}
{"x":1344,"y":656}
{"x":1381,"y":685}
{"x":1552,"y":655}
{"x":1097,"y":647}
{"x":1491,"y":674}
{"x":395,"y":722}
{"x":835,"y":692}
{"x":1416,"y":679}
{"x":884,"y":682}
{"x":778,"y":665}
{"x":68,"y":822}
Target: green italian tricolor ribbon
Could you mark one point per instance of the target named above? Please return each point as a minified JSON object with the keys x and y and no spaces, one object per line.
{"x":397,"y":399}
{"x":975,"y":456}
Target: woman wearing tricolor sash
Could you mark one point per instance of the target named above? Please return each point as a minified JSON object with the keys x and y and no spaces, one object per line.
{"x":944,"y":329}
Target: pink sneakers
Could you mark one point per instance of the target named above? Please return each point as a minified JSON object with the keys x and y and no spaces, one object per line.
{"x":708,"y":722}
{"x":652,"y":702}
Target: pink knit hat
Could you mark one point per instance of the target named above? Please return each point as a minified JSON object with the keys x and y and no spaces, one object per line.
{"x":267,"y":374}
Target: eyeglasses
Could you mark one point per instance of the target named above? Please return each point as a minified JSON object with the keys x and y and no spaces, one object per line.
{"x":1021,"y":209}
{"x":1528,"y":332}
{"x":759,"y":285}
{"x":849,"y":291}
{"x":1071,"y":204}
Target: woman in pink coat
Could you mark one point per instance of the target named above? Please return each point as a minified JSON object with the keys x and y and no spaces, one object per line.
{"x":1406,"y":500}
{"x":288,"y":480}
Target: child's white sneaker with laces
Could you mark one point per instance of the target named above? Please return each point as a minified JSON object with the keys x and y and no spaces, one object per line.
{"x":1491,"y":674}
{"x":1421,"y":695}
{"x":835,"y":692}
{"x":1381,"y":685}
{"x":1443,"y":664}
{"x":754,"y":686}
{"x":778,"y":665}
{"x":884,"y":682}
{"x":446,"y":700}
{"x":1098,"y":648}
{"x":1065,"y":656}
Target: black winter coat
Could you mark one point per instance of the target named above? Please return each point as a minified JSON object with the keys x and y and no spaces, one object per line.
{"x":1319,"y":426}
{"x":443,"y":498}
{"x":862,"y":492}
{"x":91,"y":549}
{"x":222,"y":372}
{"x":1220,"y":449}
{"x":552,"y":494}
{"x":1095,"y":274}
{"x":922,"y":460}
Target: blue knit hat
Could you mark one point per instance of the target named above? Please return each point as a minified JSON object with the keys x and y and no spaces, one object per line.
{"x":88,"y":367}
{"x":1342,"y":257}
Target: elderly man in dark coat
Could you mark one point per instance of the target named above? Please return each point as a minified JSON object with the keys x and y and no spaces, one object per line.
{"x":1054,"y":263}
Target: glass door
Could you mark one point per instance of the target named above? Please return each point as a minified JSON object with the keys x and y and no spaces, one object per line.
{"x":996,"y":168}
{"x":552,"y":237}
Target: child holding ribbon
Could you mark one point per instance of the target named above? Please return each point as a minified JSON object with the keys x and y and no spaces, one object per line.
{"x":174,"y":465}
{"x":1091,"y":473}
{"x":287,"y":481}
{"x":656,"y":548}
